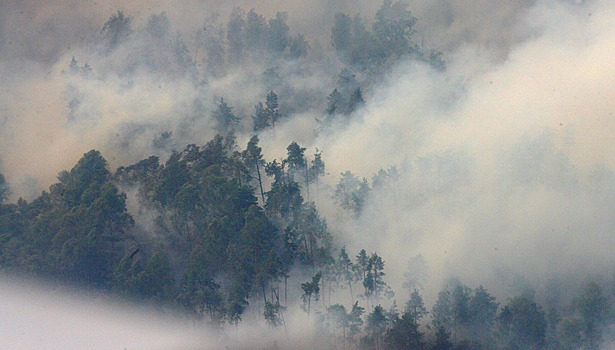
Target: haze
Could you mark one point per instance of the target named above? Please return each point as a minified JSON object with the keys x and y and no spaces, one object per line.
{"x":506,"y":158}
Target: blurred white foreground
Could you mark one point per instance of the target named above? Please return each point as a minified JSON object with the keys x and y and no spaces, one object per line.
{"x":43,"y":317}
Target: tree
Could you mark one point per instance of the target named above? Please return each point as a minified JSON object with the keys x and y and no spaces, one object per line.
{"x":436,"y":61}
{"x":277,"y":33}
{"x":225,"y":118}
{"x":341,"y":34}
{"x":442,"y":310}
{"x":155,"y":281}
{"x":416,"y":273}
{"x":235,"y":35}
{"x":116,"y":30}
{"x":522,"y":324}
{"x":359,"y":197}
{"x":272,"y":313}
{"x":373,"y":282}
{"x":460,"y":298}
{"x":592,"y":309}
{"x":311,"y":290}
{"x":317,"y":169}
{"x":482,"y":309}
{"x":158,"y":26}
{"x":345,"y":270}
{"x":260,"y":118}
{"x":355,"y":101}
{"x":415,"y":307}
{"x":377,"y":323}
{"x":355,"y":320}
{"x":212,"y":39}
{"x":265,"y":116}
{"x":335,"y":105}
{"x":272,"y":108}
{"x":404,"y":332}
{"x":311,"y":237}
{"x":255,"y":32}
{"x":295,"y":160}
{"x":298,"y":47}
{"x":4,"y":189}
{"x":442,"y":340}
{"x":254,"y":160}
{"x":351,"y":193}
{"x":339,"y":318}
{"x":90,"y":172}
{"x":394,"y":28}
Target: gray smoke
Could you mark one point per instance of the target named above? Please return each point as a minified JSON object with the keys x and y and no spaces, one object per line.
{"x":505,"y":159}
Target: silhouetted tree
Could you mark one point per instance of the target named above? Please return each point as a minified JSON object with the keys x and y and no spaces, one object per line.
{"x":116,"y":30}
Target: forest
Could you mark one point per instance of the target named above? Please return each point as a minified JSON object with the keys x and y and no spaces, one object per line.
{"x":231,"y":227}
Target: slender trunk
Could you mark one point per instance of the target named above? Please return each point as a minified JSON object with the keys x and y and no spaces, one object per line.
{"x":317,"y":191}
{"x":323,"y":294}
{"x":260,"y":182}
{"x":307,"y":180}
{"x":350,"y":287}
{"x":330,"y":288}
{"x":264,"y":293}
{"x":308,"y":323}
{"x":307,"y":250}
{"x":285,"y":290}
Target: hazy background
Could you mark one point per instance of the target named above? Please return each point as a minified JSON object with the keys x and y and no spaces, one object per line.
{"x":506,"y":159}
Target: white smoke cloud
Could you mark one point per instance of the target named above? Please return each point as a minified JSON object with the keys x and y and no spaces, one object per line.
{"x":510,"y":167}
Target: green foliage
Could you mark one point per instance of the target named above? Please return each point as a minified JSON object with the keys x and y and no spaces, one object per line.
{"x":234,"y":35}
{"x":298,"y":47}
{"x":255,"y":164}
{"x":116,"y":30}
{"x":521,"y":325}
{"x":351,"y":193}
{"x":394,"y":28}
{"x":482,"y":309}
{"x":311,"y":290}
{"x":442,"y":310}
{"x":355,"y":320}
{"x":317,"y":169}
{"x":592,"y":309}
{"x":75,"y":231}
{"x":334,"y":105}
{"x":404,"y":332}
{"x":265,"y":116}
{"x":345,"y":271}
{"x":295,"y":159}
{"x":391,"y":38}
{"x":201,"y":295}
{"x":339,"y":320}
{"x":223,"y":115}
{"x":272,"y":314}
{"x":442,"y":340}
{"x":415,"y":307}
{"x":277,"y":33}
{"x":341,"y":33}
{"x":376,"y":327}
{"x":144,"y":279}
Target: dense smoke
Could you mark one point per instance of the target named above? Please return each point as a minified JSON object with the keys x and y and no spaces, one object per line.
{"x":506,"y":174}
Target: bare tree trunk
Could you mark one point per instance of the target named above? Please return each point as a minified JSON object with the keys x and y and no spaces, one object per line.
{"x":350,"y":287}
{"x":260,"y":182}
{"x":307,"y":180}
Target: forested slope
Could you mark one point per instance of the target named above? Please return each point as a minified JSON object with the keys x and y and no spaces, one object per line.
{"x":207,"y":224}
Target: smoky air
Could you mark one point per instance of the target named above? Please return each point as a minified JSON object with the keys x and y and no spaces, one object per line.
{"x":307,"y":175}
